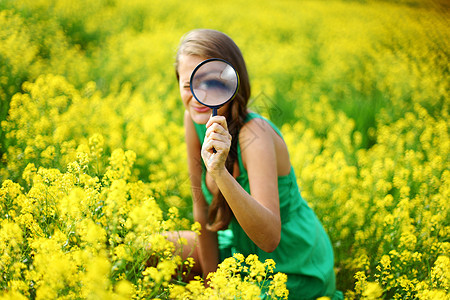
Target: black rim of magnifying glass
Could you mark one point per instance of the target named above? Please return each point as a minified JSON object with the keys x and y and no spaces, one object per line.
{"x":198,"y":67}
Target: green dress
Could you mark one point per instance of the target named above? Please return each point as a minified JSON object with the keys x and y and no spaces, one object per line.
{"x":304,"y":253}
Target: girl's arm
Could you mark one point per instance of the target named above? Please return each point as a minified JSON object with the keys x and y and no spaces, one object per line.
{"x":258,"y":213}
{"x":208,"y":249}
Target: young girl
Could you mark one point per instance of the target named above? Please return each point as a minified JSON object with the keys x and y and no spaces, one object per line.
{"x":245,"y":193}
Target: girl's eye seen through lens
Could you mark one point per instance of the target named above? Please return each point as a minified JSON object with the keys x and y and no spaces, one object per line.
{"x":213,"y":84}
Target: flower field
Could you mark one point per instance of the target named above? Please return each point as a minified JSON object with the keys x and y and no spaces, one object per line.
{"x":93,"y":164}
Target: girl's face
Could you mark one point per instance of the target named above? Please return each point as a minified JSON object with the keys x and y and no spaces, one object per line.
{"x":199,"y":113}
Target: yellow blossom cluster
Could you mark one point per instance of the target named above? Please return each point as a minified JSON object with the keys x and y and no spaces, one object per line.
{"x":71,"y":234}
{"x":93,"y":161}
{"x":386,"y":207}
{"x":237,"y":277}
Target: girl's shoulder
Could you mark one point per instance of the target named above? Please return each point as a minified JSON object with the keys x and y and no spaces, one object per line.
{"x":256,"y":126}
{"x":256,"y":133}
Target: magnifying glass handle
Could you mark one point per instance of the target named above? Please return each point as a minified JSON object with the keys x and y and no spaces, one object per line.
{"x":214,"y":113}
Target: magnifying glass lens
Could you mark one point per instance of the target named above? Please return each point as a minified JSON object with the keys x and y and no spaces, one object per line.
{"x":214,"y":82}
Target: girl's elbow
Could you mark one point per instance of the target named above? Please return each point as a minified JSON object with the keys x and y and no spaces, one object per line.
{"x":272,"y":243}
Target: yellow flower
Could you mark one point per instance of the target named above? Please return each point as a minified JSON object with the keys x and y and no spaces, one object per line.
{"x":372,"y":291}
{"x":11,"y":235}
{"x":92,"y":233}
{"x":440,"y":273}
{"x":196,"y":227}
{"x":121,"y":252}
{"x":96,"y":283}
{"x":124,"y":290}
{"x":278,"y":286}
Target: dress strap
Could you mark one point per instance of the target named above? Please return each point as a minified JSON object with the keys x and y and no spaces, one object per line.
{"x":253,"y":115}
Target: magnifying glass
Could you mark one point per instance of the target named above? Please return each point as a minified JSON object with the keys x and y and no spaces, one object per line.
{"x":214,"y":82}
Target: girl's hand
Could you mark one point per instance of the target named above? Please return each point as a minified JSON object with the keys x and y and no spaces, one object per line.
{"x":216,"y":145}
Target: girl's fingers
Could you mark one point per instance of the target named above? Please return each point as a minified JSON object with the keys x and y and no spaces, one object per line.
{"x":219,"y":137}
{"x":220,"y":120}
{"x":217,"y":131}
{"x":216,"y":128}
{"x":218,"y":142}
{"x":219,"y":145}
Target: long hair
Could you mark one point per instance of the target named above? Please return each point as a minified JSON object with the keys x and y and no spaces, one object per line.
{"x":209,"y":43}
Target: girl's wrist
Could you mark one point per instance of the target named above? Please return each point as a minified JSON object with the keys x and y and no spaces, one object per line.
{"x":218,"y":173}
